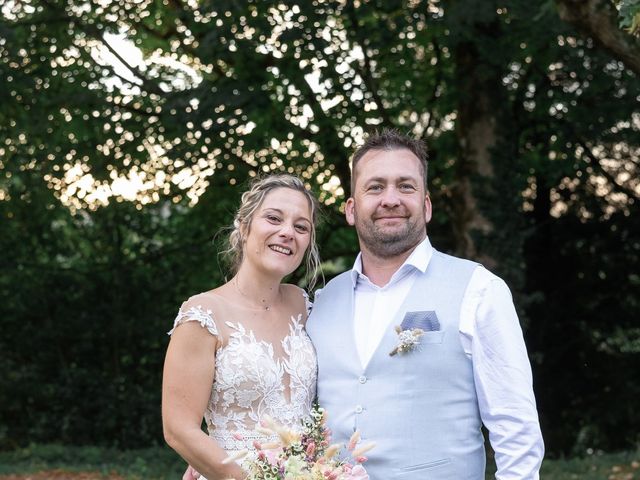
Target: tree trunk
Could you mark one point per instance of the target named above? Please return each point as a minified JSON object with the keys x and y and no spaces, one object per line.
{"x":477,"y":133}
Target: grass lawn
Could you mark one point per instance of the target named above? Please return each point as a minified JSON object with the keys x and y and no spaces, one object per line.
{"x":149,"y":463}
{"x":605,"y":466}
{"x":160,"y":463}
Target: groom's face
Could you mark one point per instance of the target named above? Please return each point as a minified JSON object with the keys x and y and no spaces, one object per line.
{"x":389,"y":207}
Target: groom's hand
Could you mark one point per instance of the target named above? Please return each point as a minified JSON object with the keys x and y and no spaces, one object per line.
{"x":190,"y":474}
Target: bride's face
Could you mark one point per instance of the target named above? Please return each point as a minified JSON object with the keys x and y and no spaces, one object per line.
{"x":279,"y":233}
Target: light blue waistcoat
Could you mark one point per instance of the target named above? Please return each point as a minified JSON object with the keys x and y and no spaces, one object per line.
{"x":419,"y":407}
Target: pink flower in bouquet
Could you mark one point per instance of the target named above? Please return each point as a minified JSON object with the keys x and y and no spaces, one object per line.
{"x":311,"y":449}
{"x":273,"y":455}
{"x":358,"y":473}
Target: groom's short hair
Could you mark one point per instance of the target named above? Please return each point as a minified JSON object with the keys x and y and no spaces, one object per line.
{"x":391,"y":139}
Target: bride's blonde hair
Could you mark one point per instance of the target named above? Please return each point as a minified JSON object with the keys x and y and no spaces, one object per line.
{"x":251,"y":201}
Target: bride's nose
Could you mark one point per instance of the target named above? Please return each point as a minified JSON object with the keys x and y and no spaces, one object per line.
{"x":287,"y":230}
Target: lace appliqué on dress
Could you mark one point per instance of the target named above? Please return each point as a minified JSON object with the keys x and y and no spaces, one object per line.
{"x":196,"y":314}
{"x":250,"y":382}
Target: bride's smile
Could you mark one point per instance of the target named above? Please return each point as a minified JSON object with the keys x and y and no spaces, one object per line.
{"x":278,"y":248}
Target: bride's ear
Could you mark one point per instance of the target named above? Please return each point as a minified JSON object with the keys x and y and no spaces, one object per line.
{"x":244,"y":233}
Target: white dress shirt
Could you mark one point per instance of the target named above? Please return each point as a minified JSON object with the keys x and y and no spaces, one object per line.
{"x":490,"y":335}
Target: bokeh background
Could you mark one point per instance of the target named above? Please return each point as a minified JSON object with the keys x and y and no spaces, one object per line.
{"x":128,"y":130}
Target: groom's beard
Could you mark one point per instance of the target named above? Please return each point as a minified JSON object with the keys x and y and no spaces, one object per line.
{"x":387,"y":242}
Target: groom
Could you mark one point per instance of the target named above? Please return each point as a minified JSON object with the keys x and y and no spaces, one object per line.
{"x":424,"y":405}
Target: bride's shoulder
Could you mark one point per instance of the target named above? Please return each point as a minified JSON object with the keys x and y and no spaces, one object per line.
{"x":201,"y":308}
{"x":298,"y":297}
{"x":205,"y":301}
{"x":293,"y":292}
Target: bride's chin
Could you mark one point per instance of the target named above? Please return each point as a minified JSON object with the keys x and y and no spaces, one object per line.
{"x":283,"y":272}
{"x":279,"y":270}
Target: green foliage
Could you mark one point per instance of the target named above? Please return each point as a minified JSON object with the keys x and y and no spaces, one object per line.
{"x":595,"y":358}
{"x":88,"y":302}
{"x":629,"y":11}
{"x":149,"y":463}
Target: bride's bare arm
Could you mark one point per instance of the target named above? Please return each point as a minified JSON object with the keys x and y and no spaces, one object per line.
{"x":186,"y":387}
{"x":190,"y":474}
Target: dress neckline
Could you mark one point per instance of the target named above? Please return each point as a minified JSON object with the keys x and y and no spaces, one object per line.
{"x":282,"y":363}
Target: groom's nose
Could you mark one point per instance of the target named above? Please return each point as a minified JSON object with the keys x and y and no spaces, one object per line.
{"x":390,"y":198}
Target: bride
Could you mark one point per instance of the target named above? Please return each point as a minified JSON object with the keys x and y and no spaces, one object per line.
{"x":240,"y":351}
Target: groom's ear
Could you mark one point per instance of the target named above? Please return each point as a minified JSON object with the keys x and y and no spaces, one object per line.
{"x":349,"y":211}
{"x":427,"y":208}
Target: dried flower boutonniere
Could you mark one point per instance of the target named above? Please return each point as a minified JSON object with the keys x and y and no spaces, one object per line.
{"x":407,"y":339}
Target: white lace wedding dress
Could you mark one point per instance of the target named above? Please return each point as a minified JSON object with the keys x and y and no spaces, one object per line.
{"x":254,"y":377}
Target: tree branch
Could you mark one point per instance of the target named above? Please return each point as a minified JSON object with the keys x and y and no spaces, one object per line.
{"x":97,"y":34}
{"x":367,"y":72}
{"x":327,"y":137}
{"x":151,"y":86}
{"x":599,"y":20}
{"x":436,"y":85}
{"x":595,"y":162}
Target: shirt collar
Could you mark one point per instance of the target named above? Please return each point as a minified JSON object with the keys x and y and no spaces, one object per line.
{"x":418,"y":260}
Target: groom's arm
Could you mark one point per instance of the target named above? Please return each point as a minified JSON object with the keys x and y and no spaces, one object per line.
{"x":491,"y":334}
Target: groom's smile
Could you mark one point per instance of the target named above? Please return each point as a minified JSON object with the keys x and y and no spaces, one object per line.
{"x":390,"y":217}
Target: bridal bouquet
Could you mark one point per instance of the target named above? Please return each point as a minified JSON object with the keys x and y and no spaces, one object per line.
{"x":304,"y":455}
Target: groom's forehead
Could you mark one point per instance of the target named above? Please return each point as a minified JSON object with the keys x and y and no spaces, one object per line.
{"x":388,"y":164}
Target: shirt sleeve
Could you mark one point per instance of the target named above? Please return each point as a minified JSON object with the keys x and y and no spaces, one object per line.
{"x":491,"y":335}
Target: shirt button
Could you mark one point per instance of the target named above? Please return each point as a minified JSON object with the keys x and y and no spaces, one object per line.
{"x":359,"y":409}
{"x":362,"y":379}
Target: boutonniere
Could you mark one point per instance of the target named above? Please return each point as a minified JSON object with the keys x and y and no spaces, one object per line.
{"x":408,"y":339}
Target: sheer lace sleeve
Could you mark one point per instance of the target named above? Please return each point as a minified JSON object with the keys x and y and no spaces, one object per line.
{"x":307,"y":302}
{"x":193,"y":311}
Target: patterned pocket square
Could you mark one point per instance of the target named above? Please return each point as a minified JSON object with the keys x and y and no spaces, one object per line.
{"x":427,"y":321}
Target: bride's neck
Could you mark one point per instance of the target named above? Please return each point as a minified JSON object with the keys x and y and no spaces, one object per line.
{"x":257,"y":290}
